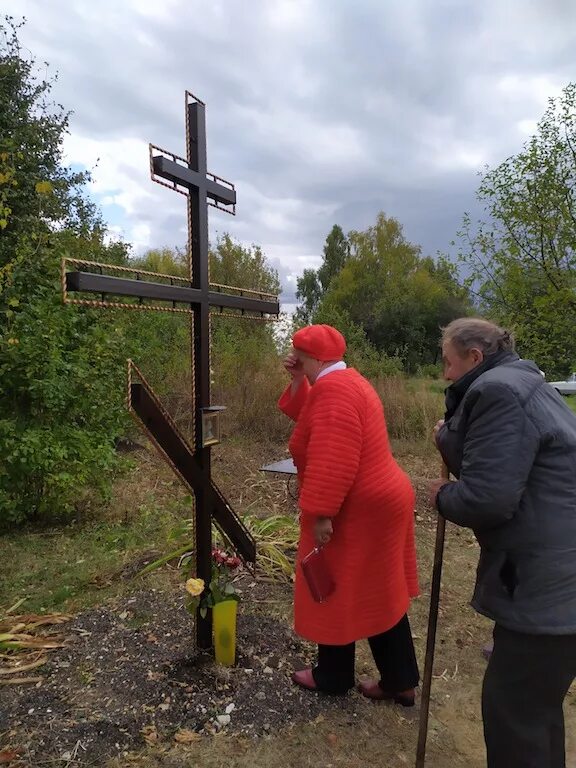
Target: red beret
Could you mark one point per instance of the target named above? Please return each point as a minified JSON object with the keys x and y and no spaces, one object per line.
{"x":321,"y":342}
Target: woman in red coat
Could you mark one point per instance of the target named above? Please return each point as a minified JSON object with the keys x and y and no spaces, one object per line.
{"x":358,"y":505}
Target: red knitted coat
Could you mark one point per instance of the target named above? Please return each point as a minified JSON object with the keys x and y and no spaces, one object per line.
{"x":346,"y":471}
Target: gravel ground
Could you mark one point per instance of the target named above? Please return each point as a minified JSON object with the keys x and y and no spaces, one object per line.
{"x":129,"y":675}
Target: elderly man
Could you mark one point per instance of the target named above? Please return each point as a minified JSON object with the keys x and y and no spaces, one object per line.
{"x":510,"y":441}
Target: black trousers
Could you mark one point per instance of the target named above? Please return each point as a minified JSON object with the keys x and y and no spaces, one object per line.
{"x":525,"y":683}
{"x":393,"y":653}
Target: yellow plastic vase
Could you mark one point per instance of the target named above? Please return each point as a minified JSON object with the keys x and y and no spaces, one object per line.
{"x":224,"y":627}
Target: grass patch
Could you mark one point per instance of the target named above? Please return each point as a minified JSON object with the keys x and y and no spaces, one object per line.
{"x":571,"y":402}
{"x":69,"y":567}
{"x":77,"y":565}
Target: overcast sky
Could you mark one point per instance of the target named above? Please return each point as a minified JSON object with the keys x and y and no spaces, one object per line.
{"x":321,"y":112}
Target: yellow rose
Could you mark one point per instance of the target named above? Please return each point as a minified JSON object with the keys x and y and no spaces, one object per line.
{"x":195,"y":587}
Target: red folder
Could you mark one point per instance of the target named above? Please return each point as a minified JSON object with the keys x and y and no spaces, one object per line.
{"x":317,"y":575}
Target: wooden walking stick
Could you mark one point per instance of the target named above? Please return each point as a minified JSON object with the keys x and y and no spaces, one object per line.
{"x":431,"y":636}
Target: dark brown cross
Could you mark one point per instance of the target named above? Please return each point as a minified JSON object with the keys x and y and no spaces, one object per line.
{"x":195,"y":296}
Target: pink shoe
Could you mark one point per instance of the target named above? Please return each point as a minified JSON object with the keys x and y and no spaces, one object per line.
{"x":305,"y":679}
{"x":371,"y":689}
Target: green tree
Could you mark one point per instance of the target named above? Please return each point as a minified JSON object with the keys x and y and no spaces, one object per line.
{"x":235,"y":265}
{"x":522,"y":257}
{"x":244,"y":352}
{"x":238,"y":342}
{"x":399,"y":298}
{"x":313,"y":284}
{"x":240,"y":347}
{"x":36,"y":189}
{"x":336,"y":254}
{"x":308,"y":292}
{"x":60,"y":367}
{"x":165,"y":261}
{"x":360,"y":352}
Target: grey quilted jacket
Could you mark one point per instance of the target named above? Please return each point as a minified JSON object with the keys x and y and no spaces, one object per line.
{"x":510,"y":440}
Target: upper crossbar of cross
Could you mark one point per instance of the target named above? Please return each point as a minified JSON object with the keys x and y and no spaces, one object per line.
{"x":189,"y":177}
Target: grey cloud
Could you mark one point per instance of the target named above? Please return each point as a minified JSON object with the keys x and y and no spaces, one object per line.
{"x":406,"y":88}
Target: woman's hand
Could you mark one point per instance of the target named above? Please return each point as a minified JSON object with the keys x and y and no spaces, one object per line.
{"x":293,"y":366}
{"x":437,"y":427}
{"x":323,"y":531}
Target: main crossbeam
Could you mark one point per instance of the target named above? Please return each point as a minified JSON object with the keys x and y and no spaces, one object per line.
{"x":89,"y":282}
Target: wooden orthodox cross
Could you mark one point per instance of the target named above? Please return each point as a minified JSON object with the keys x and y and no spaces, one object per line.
{"x":195,"y":296}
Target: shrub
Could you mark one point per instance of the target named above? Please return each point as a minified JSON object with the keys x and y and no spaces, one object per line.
{"x":61,"y":377}
{"x":430,"y":371}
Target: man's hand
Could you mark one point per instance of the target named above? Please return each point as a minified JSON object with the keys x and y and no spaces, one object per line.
{"x":437,"y":427}
{"x":323,"y":530}
{"x":433,"y":488}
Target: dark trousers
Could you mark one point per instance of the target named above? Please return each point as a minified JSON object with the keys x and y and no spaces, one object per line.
{"x":393,"y":653}
{"x":525,"y":683}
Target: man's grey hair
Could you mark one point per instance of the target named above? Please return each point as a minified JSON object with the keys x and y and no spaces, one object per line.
{"x":468,"y":333}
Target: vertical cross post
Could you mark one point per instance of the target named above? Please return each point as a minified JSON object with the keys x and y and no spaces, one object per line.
{"x":199,"y":277}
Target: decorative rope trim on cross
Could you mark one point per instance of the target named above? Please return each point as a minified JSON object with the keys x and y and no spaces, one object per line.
{"x":117,"y":304}
{"x":230,"y":315}
{"x":125,"y":305}
{"x":118,"y":268}
{"x":244,"y":291}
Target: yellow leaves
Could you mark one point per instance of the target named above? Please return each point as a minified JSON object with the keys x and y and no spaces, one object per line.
{"x":149,"y":734}
{"x":39,"y":662}
{"x":13,"y":341}
{"x":183,"y":736}
{"x":195,"y":587}
{"x":186,"y":736}
{"x":21,"y":680}
{"x":43,"y":187}
{"x":24,"y":644}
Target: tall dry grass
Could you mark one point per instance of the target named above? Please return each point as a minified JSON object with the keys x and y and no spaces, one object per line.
{"x":412,"y":406}
{"x":248,"y":377}
{"x":250,"y":394}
